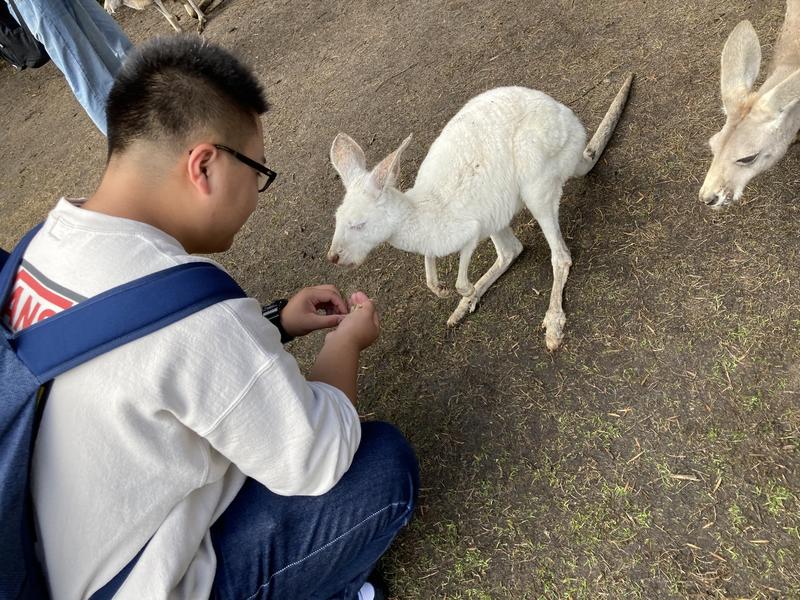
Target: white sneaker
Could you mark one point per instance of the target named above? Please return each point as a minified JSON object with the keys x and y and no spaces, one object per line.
{"x":367,"y":592}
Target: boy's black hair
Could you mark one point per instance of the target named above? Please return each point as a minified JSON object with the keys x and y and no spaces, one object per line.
{"x":173,"y":87}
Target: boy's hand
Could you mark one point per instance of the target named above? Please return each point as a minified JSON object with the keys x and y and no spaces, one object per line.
{"x":302,"y":314}
{"x":361,"y":326}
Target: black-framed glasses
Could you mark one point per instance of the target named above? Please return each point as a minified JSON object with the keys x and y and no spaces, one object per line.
{"x":265,"y":176}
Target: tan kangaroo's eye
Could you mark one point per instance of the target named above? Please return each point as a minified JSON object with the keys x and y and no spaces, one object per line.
{"x":747,"y":159}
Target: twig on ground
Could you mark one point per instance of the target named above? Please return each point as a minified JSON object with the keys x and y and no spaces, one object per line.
{"x":380,"y":85}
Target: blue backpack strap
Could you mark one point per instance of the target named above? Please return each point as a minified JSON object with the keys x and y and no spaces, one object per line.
{"x":10,"y":263}
{"x":121,"y":315}
{"x":3,"y":257}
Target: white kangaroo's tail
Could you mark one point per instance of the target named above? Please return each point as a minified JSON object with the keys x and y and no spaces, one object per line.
{"x":597,"y":144}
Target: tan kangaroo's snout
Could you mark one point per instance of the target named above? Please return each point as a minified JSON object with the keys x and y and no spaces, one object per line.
{"x":760,"y":124}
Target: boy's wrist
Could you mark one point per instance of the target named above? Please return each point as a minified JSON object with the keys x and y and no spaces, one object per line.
{"x":272,"y":312}
{"x":342,"y":341}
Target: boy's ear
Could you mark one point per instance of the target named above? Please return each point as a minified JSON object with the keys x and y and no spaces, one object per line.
{"x":197,"y":166}
{"x":347,"y":158}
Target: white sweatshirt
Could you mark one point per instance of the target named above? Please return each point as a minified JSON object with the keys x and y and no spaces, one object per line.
{"x":155,"y":438}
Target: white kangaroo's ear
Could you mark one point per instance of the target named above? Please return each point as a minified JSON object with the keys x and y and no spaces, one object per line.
{"x":347,"y":158}
{"x":782,"y":95}
{"x":386,"y":172}
{"x":741,"y":60}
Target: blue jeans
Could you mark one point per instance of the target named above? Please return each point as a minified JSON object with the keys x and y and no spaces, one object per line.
{"x":318,"y":547}
{"x":84,"y":42}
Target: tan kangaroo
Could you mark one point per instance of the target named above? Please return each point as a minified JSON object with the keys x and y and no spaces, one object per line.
{"x":760,"y":125}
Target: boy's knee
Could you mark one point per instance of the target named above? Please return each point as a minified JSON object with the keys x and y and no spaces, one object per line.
{"x":387,"y":440}
{"x":391,"y":452}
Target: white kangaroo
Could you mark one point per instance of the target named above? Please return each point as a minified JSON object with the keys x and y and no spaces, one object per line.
{"x":506,"y":147}
{"x":759,"y":126}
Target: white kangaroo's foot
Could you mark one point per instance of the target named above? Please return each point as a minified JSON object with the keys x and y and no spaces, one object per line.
{"x":465,"y":306}
{"x":553,"y":324}
{"x":440,"y":290}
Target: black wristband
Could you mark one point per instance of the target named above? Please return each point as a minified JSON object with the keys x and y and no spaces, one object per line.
{"x":272,"y":312}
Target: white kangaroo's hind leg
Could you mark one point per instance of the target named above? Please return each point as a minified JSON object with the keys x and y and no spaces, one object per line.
{"x":432,"y":278}
{"x":508,"y":249}
{"x":545,"y":211}
{"x":463,"y":285}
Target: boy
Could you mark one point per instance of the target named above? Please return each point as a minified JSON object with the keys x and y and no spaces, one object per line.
{"x":201,"y":446}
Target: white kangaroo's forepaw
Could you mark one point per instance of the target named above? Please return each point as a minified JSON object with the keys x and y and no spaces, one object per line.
{"x":465,"y":306}
{"x":440,"y":291}
{"x":553,"y":324}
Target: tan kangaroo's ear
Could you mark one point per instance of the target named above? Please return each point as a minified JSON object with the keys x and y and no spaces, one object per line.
{"x":741,"y":60}
{"x":347,"y":158}
{"x":386,"y":172}
{"x":783,"y":94}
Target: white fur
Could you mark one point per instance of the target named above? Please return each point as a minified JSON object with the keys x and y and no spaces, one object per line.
{"x":762,"y":123}
{"x":506,"y":148}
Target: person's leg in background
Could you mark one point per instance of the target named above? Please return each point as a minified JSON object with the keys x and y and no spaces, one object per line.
{"x":321,"y":547}
{"x":84,"y":42}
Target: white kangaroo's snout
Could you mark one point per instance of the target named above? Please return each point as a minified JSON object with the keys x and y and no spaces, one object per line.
{"x":334,"y":252}
{"x":351,"y":244}
{"x":341,"y":259}
{"x":339,"y":256}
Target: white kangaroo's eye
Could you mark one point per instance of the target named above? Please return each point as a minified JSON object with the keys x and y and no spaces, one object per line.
{"x":358,"y":226}
{"x":747,"y":159}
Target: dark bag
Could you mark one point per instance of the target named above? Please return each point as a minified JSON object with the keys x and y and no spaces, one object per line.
{"x":17,"y":44}
{"x":32,"y":357}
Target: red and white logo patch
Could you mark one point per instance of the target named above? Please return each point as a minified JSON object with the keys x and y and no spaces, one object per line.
{"x":34,"y":298}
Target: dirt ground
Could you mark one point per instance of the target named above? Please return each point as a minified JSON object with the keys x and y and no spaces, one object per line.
{"x":655,"y":455}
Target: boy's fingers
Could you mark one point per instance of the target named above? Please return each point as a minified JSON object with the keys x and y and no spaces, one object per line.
{"x":329,"y":291}
{"x":329,"y":295}
{"x":367,"y":306}
{"x":358,"y":298}
{"x":329,"y":308}
{"x":327,"y":321}
{"x":326,"y":286}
